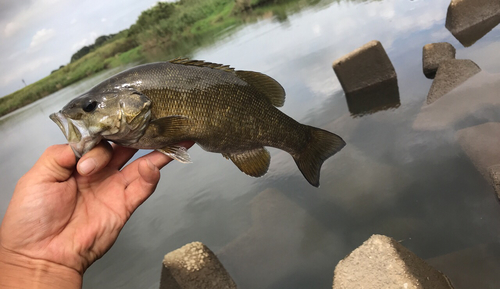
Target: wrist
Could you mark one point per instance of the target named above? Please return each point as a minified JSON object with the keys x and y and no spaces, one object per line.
{"x":19,"y":271}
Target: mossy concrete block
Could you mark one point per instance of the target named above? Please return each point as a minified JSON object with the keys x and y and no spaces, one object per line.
{"x":450,"y":74}
{"x":194,"y":266}
{"x":481,"y":143}
{"x":433,"y":54}
{"x":382,"y":262}
{"x":364,"y":67}
{"x":470,"y":20}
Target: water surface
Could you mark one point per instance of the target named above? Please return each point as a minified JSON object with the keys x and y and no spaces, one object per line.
{"x":414,"y":185}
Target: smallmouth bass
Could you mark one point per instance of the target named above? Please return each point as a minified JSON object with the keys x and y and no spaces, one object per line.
{"x":158,"y":105}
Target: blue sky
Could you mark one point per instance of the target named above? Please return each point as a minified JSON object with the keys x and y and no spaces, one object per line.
{"x":37,"y":36}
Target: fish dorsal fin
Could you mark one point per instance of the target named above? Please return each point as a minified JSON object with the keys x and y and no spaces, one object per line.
{"x":253,"y":163}
{"x":201,"y":63}
{"x":263,"y":83}
{"x":266,"y":85}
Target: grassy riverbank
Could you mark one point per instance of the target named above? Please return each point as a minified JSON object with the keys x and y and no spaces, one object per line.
{"x":165,"y":31}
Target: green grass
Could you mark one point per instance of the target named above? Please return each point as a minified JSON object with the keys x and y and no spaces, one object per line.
{"x":165,"y":31}
{"x":110,"y":55}
{"x":217,"y":21}
{"x":133,"y":55}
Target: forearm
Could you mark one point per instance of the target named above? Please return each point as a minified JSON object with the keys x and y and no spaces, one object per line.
{"x":17,"y":271}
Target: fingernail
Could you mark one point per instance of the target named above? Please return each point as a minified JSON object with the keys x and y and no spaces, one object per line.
{"x":87,"y":166}
{"x":150,"y":165}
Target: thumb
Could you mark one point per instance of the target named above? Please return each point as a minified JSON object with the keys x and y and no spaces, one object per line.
{"x":57,"y":163}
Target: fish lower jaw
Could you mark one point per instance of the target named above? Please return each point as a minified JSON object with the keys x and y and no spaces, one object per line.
{"x":84,"y":145}
{"x":79,"y":137}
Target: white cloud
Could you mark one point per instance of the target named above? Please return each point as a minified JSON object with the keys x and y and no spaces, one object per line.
{"x":21,"y":71}
{"x":79,"y":44}
{"x":73,"y":21}
{"x":41,"y":37}
{"x":26,"y":16}
{"x":11,"y":28}
{"x":103,"y":20}
{"x":85,"y":41}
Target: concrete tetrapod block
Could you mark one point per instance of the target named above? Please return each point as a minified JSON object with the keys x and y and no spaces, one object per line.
{"x":470,"y":20}
{"x":495,"y":178}
{"x":194,"y":266}
{"x":450,"y":74}
{"x":481,"y":144}
{"x":433,"y":54}
{"x":381,"y":262}
{"x":364,"y":67}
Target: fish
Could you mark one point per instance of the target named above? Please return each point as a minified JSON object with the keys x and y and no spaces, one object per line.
{"x":223,"y":110}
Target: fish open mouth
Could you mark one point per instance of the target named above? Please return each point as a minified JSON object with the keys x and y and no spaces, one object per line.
{"x":79,"y":137}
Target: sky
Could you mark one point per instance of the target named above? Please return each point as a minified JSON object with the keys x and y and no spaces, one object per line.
{"x":38,"y":36}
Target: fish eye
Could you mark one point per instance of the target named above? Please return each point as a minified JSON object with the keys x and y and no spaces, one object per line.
{"x":90,"y":106}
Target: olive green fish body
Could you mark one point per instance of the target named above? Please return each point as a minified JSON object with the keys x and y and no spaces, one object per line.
{"x":223,"y":110}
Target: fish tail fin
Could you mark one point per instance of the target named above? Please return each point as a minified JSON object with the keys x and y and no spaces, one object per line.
{"x":322,"y":145}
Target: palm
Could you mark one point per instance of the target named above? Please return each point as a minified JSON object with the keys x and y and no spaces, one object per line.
{"x":75,"y":219}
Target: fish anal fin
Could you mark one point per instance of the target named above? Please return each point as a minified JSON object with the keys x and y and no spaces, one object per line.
{"x":265,"y":85}
{"x":176,"y":152}
{"x":253,"y":163}
{"x":173,"y":126}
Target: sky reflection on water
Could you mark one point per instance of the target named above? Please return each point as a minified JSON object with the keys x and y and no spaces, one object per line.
{"x":415,"y":185}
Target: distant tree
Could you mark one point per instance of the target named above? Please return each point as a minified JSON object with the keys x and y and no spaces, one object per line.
{"x":162,"y":10}
{"x":81,"y":53}
{"x":102,"y":40}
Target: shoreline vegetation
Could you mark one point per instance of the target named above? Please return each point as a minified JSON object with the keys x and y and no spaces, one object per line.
{"x":165,"y":31}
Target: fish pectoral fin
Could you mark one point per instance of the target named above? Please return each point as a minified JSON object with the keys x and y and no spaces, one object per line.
{"x":266,"y":85}
{"x":171,"y":125}
{"x":177,"y":153}
{"x":253,"y":163}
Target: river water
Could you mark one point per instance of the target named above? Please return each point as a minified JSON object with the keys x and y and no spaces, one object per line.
{"x":415,"y":185}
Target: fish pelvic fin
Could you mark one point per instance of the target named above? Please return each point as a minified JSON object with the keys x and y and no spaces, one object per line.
{"x":253,"y":163}
{"x":265,"y":85}
{"x":176,"y":152}
{"x":322,"y":145}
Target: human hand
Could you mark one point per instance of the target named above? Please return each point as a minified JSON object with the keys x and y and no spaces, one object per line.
{"x":62,"y":220}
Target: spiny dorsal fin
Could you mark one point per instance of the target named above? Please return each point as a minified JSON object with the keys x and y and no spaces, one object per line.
{"x":263,"y":83}
{"x":253,"y":163}
{"x":201,"y":63}
{"x":266,"y":85}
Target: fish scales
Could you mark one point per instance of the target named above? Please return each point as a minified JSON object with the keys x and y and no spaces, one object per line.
{"x":227,"y":111}
{"x":223,"y":110}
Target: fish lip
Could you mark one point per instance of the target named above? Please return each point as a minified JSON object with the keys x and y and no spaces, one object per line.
{"x":61,"y":121}
{"x":79,"y":137}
